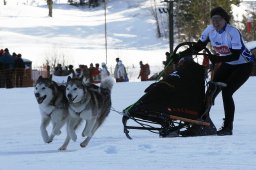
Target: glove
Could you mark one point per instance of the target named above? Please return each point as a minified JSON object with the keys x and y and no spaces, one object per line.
{"x":214,"y":58}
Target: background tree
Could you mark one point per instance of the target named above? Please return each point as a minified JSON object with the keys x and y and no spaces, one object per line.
{"x":154,"y":12}
{"x":192,"y":16}
{"x":50,"y":5}
{"x":251,"y":15}
{"x":56,"y":56}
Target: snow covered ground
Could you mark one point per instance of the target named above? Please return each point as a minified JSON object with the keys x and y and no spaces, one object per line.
{"x":78,"y":33}
{"x":22,"y":147}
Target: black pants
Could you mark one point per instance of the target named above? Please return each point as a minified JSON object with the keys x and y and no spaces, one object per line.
{"x":234,"y":76}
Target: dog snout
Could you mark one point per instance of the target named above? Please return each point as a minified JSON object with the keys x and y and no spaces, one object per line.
{"x":69,"y":96}
{"x":37,"y":94}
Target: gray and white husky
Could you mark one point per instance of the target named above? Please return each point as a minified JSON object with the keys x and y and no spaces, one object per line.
{"x":87,"y":102}
{"x":53,"y":107}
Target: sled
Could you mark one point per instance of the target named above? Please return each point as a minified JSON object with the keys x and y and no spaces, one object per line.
{"x":181,"y":104}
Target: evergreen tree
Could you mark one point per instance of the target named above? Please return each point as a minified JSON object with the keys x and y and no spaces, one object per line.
{"x":249,"y":36}
{"x":192,"y":16}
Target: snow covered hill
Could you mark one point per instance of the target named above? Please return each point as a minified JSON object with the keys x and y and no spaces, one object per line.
{"x":78,"y":33}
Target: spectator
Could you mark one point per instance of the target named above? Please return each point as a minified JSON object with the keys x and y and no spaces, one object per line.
{"x":92,"y":72}
{"x":19,"y":70}
{"x":96,"y":73}
{"x":121,"y":74}
{"x":65,"y":71}
{"x":78,"y":72}
{"x":144,"y":71}
{"x":104,"y":71}
{"x":86,"y":73}
{"x":8,"y":63}
{"x":71,"y":71}
{"x":167,"y":56}
{"x":168,"y":67}
{"x":2,"y":79}
{"x":58,"y":70}
{"x":48,"y":68}
{"x":93,"y":3}
{"x":116,"y":68}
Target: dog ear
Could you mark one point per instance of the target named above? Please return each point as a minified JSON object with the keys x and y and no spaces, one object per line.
{"x":39,"y":78}
{"x":69,"y":78}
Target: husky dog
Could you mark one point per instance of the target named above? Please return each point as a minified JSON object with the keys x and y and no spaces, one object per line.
{"x":53,"y":106}
{"x":87,"y":102}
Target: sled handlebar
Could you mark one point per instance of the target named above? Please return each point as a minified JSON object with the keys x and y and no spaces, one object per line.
{"x":191,"y":45}
{"x":171,"y":59}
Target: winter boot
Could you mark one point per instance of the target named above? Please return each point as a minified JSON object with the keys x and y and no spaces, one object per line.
{"x":226,"y":129}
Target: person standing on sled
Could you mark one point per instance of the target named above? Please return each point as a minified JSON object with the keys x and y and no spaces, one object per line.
{"x":235,"y":60}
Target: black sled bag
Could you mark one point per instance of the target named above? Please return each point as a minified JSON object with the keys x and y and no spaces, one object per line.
{"x":181,"y":93}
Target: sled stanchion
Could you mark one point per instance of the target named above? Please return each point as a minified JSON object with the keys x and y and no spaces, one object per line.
{"x":210,"y":97}
{"x":126,"y":131}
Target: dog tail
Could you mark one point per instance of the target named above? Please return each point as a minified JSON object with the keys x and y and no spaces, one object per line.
{"x":107,"y":83}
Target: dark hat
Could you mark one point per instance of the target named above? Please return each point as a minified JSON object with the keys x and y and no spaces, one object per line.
{"x":221,"y":12}
{"x":19,"y":55}
{"x":6,"y":50}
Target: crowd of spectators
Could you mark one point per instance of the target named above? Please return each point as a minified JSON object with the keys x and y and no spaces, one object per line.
{"x":12,"y":69}
{"x":90,"y":3}
{"x":93,"y":73}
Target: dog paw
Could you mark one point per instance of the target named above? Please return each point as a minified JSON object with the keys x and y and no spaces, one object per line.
{"x":46,"y":140}
{"x":85,"y":142}
{"x":57,"y":132}
{"x":62,"y":148}
{"x":83,"y":145}
{"x":49,"y":141}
